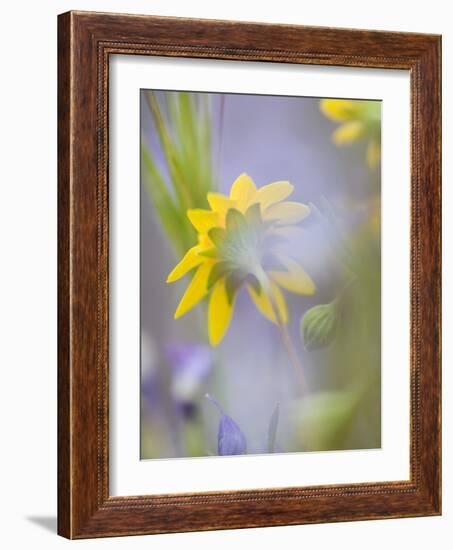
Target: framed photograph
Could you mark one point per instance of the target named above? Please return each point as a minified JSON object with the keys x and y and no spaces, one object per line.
{"x":249,"y":275}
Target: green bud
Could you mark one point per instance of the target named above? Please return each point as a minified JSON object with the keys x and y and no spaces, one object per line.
{"x":318,"y":326}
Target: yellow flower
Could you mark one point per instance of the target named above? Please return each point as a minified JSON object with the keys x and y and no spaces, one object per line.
{"x":360,"y":120}
{"x":238,"y":245}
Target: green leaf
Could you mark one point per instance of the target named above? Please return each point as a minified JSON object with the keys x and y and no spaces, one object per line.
{"x":170,"y":152}
{"x":272,"y":430}
{"x":233,"y":283}
{"x":235,"y":220}
{"x":253,"y":214}
{"x":254,"y":283}
{"x":217,"y":236}
{"x":208,"y":181}
{"x":219,"y":270}
{"x":209,"y":253}
{"x":162,"y":201}
{"x":324,"y":419}
{"x":182,"y":126}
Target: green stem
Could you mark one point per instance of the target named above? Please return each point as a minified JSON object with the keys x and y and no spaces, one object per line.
{"x":292,"y":353}
{"x":283,"y":329}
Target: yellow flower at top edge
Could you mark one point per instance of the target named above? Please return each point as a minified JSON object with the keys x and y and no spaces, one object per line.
{"x":239,"y":245}
{"x":360,"y":120}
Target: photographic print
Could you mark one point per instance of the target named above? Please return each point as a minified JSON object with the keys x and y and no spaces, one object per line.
{"x":260,"y":274}
{"x":243,"y":290}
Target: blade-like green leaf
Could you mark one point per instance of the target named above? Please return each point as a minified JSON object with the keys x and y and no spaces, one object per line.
{"x":272,"y":430}
{"x":170,"y":152}
{"x":165,"y":208}
{"x":183,"y":129}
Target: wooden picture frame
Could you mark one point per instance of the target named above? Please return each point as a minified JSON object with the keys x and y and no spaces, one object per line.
{"x":85,"y":42}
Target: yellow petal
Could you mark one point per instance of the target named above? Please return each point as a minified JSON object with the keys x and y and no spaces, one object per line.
{"x":273,"y":192}
{"x":267,"y":307}
{"x":373,"y":154}
{"x":338,"y":109}
{"x":220,"y":203}
{"x":295,"y":279}
{"x":220,"y":313}
{"x":286,"y":212}
{"x":262,"y":303}
{"x":204,"y":241}
{"x":190,"y":260}
{"x":243,"y":191}
{"x":196,"y":290}
{"x":349,"y":132}
{"x":203,"y":220}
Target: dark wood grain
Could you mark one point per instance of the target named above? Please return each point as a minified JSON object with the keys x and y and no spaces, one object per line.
{"x":86,"y":40}
{"x":64,"y":389}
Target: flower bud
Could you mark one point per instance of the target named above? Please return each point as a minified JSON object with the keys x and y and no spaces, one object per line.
{"x":230,"y":439}
{"x":318,"y":326}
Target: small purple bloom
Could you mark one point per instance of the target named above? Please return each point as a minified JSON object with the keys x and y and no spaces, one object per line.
{"x":192,"y":358}
{"x":190,"y":366}
{"x":230,"y":439}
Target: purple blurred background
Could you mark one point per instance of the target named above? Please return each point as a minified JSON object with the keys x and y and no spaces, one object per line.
{"x":270,"y":138}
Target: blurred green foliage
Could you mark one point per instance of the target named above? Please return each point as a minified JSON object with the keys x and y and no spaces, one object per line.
{"x":324,"y":419}
{"x":345,"y":412}
{"x":183,"y":128}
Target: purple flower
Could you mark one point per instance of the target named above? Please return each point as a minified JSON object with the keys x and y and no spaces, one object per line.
{"x":230,"y":439}
{"x":190,"y":365}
